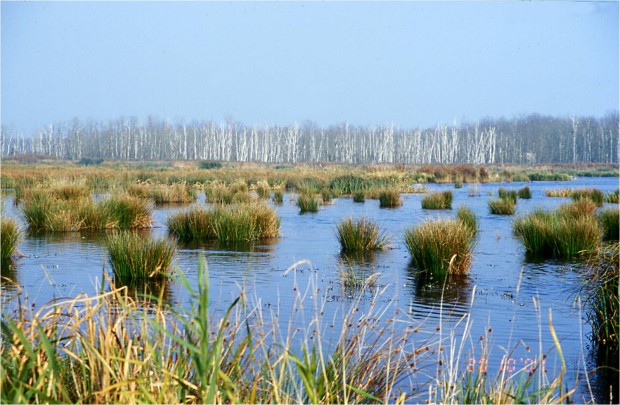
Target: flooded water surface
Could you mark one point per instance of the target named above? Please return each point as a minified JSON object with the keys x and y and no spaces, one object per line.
{"x":504,"y":300}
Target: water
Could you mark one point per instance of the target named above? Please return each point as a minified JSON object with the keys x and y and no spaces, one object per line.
{"x":508,"y":300}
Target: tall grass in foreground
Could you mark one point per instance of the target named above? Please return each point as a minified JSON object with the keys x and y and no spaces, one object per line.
{"x":440,"y":247}
{"x":562,"y":233}
{"x":134,"y":257}
{"x":102,"y":349}
{"x":307,"y":203}
{"x":108,"y":349}
{"x":438,"y":201}
{"x":360,"y":235}
{"x":390,"y":198}
{"x":237,"y":223}
{"x":9,"y":238}
{"x":603,"y":306}
{"x":609,"y":219}
{"x":502,"y":206}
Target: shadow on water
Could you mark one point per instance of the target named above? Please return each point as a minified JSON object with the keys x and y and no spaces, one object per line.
{"x":438,"y":296}
{"x":10,"y":275}
{"x":262,"y":246}
{"x":147,"y":292}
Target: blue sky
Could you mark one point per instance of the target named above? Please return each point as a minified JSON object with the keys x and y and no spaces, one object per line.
{"x":407,"y":63}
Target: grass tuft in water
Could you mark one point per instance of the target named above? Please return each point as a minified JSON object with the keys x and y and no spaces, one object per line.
{"x":128,"y":212}
{"x":360,"y":235}
{"x":603,"y":305}
{"x":278,"y":197}
{"x":390,"y":198}
{"x":193,"y":224}
{"x":564,"y":233}
{"x":307,"y":203}
{"x":134,"y":257}
{"x":612,"y":197}
{"x":263,"y":189}
{"x":592,"y":194}
{"x":502,"y":206}
{"x":235,"y":223}
{"x":438,"y":200}
{"x":524,"y":193}
{"x":505,"y":194}
{"x":440,"y":247}
{"x":609,"y":220}
{"x":467,"y":217}
{"x":359,"y":197}
{"x":10,"y":237}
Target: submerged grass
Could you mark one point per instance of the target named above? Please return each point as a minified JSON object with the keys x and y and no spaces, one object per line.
{"x":10,"y":237}
{"x":134,"y":257}
{"x":361,"y":235}
{"x":440,"y":247}
{"x":564,"y":233}
{"x":502,"y":206}
{"x":438,"y":201}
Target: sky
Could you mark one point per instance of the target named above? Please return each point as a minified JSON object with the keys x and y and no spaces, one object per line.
{"x":411,"y":64}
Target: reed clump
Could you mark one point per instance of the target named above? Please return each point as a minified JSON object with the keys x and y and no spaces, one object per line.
{"x":603,"y":306}
{"x":524,"y":193}
{"x":307,"y":203}
{"x":439,"y":200}
{"x":44,"y":211}
{"x":163,"y":193}
{"x":502,"y":206}
{"x":565,"y":192}
{"x":10,"y":237}
{"x":127,"y":212}
{"x":440,"y":247}
{"x":359,"y":197}
{"x":134,"y":257}
{"x":592,"y":194}
{"x":563,"y":233}
{"x":390,"y":198}
{"x":359,"y":236}
{"x":278,"y":197}
{"x":609,"y":221}
{"x":468,"y":218}
{"x":612,"y":197}
{"x":505,"y":194}
{"x":263,"y":190}
{"x":193,"y":224}
{"x":234,"y":223}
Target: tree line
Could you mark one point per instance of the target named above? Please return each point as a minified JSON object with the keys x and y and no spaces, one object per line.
{"x":523,"y":140}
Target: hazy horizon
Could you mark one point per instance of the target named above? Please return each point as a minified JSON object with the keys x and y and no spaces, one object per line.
{"x":411,"y":64}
